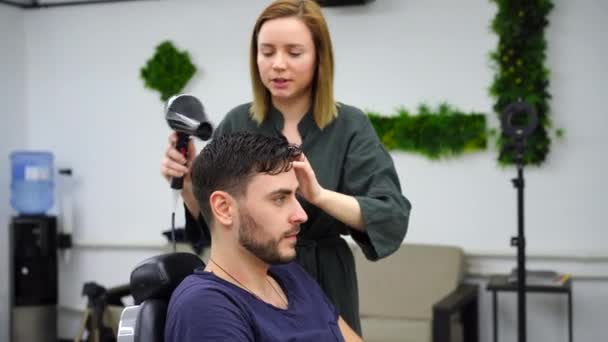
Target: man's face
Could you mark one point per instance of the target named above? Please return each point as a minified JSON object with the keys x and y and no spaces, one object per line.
{"x":270,"y":217}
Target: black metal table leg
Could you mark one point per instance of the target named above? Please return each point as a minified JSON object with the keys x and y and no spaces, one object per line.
{"x":570,"y":315}
{"x":494,"y":316}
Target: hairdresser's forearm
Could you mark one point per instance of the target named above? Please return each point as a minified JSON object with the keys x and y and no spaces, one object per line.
{"x":342,"y":207}
{"x":191,"y":203}
{"x":347,"y":332}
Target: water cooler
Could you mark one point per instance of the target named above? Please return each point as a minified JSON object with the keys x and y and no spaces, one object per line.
{"x":33,"y":241}
{"x":33,"y":249}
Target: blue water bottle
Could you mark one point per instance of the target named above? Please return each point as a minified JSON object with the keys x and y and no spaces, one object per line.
{"x":32,"y":182}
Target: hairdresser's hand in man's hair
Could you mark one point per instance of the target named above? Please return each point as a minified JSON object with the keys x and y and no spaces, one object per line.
{"x":174,"y":164}
{"x":342,"y":207}
{"x":309,"y":188}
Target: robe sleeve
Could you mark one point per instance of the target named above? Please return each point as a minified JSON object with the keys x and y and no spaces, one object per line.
{"x":370,"y":176}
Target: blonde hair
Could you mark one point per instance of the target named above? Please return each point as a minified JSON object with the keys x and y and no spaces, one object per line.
{"x":324,"y":106}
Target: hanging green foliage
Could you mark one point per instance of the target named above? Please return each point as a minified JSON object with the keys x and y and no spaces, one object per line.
{"x":168,"y":71}
{"x":440,"y":133}
{"x":520,"y":69}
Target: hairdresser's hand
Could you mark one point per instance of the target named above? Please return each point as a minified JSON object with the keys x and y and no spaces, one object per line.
{"x":310,"y":188}
{"x":344,"y":208}
{"x":174,"y":164}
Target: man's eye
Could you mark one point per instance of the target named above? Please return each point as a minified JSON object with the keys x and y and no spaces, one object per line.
{"x":280,"y":200}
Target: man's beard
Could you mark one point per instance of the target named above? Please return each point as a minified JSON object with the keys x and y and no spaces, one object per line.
{"x":267,"y":251}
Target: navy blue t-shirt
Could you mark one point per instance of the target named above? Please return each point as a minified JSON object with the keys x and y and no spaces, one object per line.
{"x":205,"y":307}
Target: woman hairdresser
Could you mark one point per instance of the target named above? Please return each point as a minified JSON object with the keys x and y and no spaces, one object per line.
{"x":348,"y":181}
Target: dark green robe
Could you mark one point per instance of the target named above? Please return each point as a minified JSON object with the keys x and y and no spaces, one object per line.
{"x":348,"y":158}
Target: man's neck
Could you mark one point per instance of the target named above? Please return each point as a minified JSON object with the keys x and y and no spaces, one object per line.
{"x":238,"y":266}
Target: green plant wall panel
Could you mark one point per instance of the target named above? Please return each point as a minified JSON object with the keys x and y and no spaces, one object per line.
{"x":435,"y":133}
{"x":519,"y":60}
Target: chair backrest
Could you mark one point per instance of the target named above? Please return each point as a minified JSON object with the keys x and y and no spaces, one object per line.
{"x":152,"y":283}
{"x":406,"y":284}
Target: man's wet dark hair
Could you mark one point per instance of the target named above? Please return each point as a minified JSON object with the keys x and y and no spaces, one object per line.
{"x":229,"y":162}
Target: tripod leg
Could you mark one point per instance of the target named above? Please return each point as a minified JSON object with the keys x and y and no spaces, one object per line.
{"x":94,"y":327}
{"x":83,"y":324}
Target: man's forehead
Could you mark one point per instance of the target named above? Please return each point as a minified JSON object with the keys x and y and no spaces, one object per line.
{"x":267,"y":183}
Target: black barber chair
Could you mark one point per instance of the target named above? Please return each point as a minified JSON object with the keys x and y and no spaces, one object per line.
{"x":152,"y":282}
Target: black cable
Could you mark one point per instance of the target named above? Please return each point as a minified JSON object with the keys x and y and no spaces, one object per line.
{"x":173,"y":231}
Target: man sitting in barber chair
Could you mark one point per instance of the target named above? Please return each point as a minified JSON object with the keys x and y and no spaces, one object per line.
{"x":251,"y":290}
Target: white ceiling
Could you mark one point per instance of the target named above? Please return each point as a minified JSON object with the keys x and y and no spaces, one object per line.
{"x":55,"y":2}
{"x":42,"y":2}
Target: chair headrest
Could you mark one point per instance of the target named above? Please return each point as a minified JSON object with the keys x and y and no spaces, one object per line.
{"x":158,"y":276}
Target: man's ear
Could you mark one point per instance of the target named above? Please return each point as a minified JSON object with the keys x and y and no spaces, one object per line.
{"x":222,"y":207}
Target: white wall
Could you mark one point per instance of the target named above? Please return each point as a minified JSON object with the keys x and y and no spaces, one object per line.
{"x":85,"y":102}
{"x":12,"y":133}
{"x":85,"y":82}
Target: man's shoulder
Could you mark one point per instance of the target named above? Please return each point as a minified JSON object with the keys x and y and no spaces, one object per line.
{"x":202,"y":295}
{"x":199,"y":287}
{"x":192,"y":283}
{"x":201,"y":307}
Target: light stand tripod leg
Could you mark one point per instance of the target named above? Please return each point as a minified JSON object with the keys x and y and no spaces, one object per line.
{"x":521,"y":257}
{"x":520,"y":242}
{"x":519,"y":121}
{"x":83,"y":325}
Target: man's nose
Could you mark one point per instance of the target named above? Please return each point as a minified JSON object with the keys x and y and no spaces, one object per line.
{"x":299,"y":216}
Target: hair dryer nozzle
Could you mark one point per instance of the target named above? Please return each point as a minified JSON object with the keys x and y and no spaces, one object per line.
{"x":186,"y":114}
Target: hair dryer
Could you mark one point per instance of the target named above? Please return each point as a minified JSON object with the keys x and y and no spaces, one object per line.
{"x":186,"y":116}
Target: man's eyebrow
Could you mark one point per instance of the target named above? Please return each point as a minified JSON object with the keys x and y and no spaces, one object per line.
{"x":281,"y":191}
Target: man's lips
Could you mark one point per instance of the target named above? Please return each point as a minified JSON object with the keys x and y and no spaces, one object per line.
{"x":293,"y":233}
